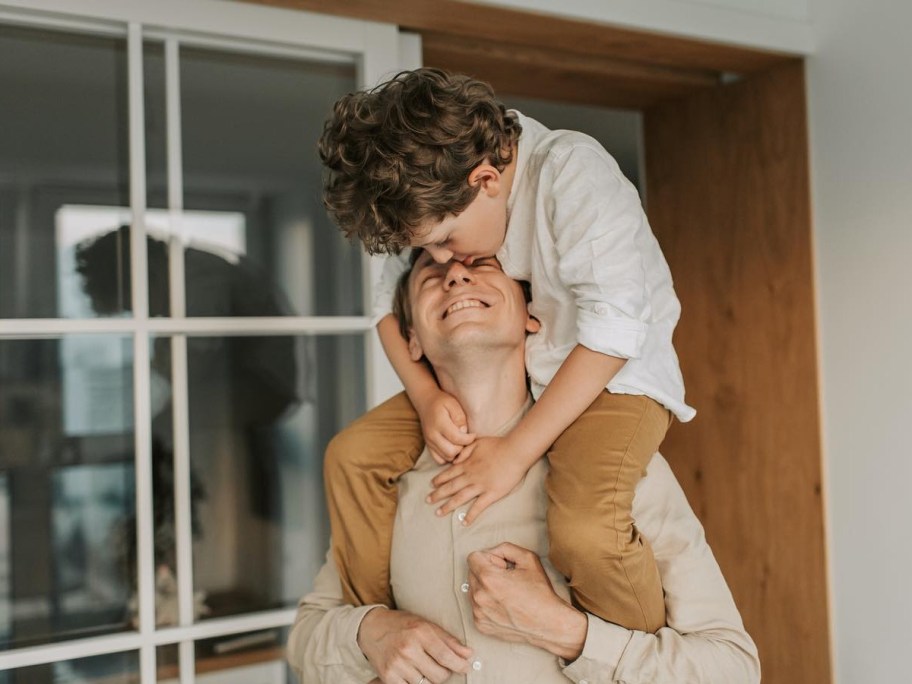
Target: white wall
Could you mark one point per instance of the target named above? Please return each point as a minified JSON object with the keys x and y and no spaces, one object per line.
{"x":779,"y":25}
{"x":861,"y":150}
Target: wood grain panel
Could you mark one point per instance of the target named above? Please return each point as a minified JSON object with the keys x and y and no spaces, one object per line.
{"x":549,"y":74}
{"x":729,"y":199}
{"x":501,"y":26}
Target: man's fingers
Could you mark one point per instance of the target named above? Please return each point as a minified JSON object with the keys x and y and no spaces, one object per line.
{"x":429,"y":666}
{"x":447,"y":659}
{"x":517,"y":555}
{"x":457,"y":647}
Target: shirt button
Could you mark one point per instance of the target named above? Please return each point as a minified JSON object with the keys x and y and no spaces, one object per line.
{"x":461,"y":517}
{"x":476,"y":665}
{"x":464,"y":588}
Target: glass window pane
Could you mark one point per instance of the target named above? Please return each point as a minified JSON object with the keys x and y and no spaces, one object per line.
{"x":63,"y":143}
{"x":252,"y":186}
{"x":262,"y":410}
{"x":114,"y":668}
{"x":67,"y":540}
{"x":251,"y":658}
{"x":167,"y":665}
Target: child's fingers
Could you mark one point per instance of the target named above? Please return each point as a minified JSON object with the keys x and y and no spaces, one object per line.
{"x":457,"y":415}
{"x":455,"y":435}
{"x":463,"y":496}
{"x":463,"y":455}
{"x":450,"y":473}
{"x":436,"y":455}
{"x":445,"y":450}
{"x":477,"y":508}
{"x":447,"y":490}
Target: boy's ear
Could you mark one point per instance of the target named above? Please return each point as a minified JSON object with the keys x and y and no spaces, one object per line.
{"x":488,"y":177}
{"x":414,"y":347}
{"x":533,"y":325}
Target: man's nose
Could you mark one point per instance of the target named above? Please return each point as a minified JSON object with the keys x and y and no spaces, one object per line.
{"x":457,"y":274}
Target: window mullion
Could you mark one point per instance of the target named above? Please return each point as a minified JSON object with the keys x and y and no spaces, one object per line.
{"x":141,"y":370}
{"x":183,"y":511}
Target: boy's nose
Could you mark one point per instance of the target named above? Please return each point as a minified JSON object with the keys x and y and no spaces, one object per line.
{"x":440,"y":254}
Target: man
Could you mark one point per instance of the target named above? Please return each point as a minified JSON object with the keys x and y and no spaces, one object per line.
{"x":483,"y":601}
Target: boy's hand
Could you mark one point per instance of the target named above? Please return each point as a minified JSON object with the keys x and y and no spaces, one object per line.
{"x":486,"y":470}
{"x":444,"y":425}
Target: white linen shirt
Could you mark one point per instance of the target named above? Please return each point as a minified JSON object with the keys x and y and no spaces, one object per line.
{"x":704,"y":642}
{"x":577,"y":232}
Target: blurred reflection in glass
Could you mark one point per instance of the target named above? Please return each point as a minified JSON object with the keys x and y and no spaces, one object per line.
{"x":244,"y":659}
{"x":63,"y":140}
{"x":115,"y":668}
{"x":244,"y":393}
{"x":66,"y":489}
{"x":249,"y":129}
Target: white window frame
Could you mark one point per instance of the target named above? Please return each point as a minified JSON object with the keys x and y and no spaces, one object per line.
{"x":377,"y":51}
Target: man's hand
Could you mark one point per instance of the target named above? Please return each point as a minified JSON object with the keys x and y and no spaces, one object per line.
{"x":444,"y":425}
{"x":513,"y":600}
{"x":404,"y":647}
{"x":486,"y":470}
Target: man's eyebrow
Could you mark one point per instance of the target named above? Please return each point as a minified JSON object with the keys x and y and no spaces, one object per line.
{"x":423,"y":266}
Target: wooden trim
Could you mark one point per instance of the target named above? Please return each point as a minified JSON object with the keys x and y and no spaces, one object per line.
{"x":502,"y":26}
{"x":729,"y":200}
{"x":571,"y":77}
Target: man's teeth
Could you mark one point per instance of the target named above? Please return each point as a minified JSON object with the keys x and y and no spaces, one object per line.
{"x":464,"y":304}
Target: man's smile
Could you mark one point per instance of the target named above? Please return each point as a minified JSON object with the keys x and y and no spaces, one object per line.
{"x":465,"y":304}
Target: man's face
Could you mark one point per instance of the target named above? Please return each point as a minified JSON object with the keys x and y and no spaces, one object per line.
{"x":463,"y":306}
{"x":477,"y":232}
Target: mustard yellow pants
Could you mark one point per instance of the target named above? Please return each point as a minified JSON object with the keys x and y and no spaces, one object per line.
{"x":595,"y":466}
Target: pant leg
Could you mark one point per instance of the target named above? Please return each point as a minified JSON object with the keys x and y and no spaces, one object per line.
{"x":360,"y":470}
{"x":595,"y":466}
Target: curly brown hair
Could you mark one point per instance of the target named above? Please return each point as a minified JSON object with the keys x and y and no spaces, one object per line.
{"x":400,"y":155}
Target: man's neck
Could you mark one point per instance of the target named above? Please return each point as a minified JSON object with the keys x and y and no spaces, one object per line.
{"x":490,"y":390}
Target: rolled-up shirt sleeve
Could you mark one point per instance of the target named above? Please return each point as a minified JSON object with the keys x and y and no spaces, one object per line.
{"x":394,"y":265}
{"x":323,"y":642}
{"x":705,"y":641}
{"x":599,"y":261}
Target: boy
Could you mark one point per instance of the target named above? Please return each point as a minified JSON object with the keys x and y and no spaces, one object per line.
{"x":433,"y":160}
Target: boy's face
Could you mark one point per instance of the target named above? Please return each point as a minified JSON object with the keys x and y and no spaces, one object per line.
{"x":477,"y":232}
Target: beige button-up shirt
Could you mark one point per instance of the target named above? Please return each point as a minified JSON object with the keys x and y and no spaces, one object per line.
{"x":704,"y":642}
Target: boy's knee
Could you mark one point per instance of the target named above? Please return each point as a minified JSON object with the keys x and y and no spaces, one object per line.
{"x":579,"y":542}
{"x":342,"y":453}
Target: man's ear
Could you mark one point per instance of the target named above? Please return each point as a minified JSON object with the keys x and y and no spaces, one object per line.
{"x":488,"y":177}
{"x":533,"y":325}
{"x":414,"y":347}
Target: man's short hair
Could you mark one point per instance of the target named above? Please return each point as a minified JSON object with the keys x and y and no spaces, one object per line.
{"x":400,"y":155}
